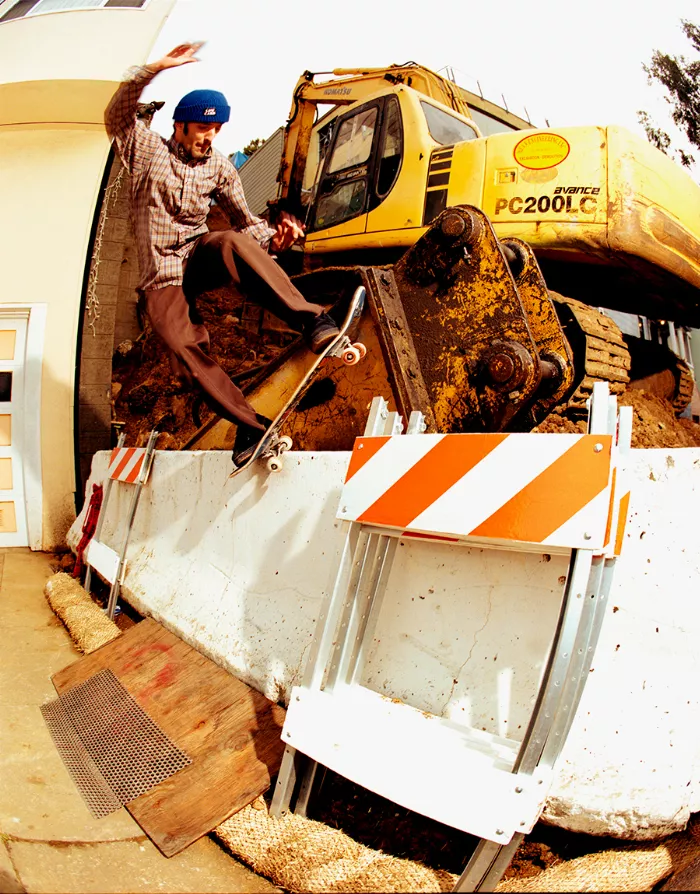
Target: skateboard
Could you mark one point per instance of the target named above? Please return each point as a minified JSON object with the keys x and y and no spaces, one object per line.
{"x":273,"y":445}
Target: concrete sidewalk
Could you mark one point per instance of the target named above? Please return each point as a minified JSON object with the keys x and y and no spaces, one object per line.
{"x":49,"y":840}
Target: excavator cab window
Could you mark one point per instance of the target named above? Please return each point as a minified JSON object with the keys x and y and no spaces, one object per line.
{"x":446,"y":129}
{"x":363,"y":164}
{"x":391,"y":149}
{"x":344,"y":185}
{"x":353,"y":145}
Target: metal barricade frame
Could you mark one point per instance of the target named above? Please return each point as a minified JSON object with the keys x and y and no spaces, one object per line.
{"x":330,"y":712}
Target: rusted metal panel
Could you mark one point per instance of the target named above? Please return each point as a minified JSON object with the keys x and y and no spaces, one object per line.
{"x":556,"y":357}
{"x":477,"y":354}
{"x":397,"y":345}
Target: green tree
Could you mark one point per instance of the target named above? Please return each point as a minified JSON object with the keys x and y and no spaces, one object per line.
{"x":253,"y":146}
{"x":681,"y":79}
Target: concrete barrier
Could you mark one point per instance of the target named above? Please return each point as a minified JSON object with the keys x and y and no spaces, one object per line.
{"x":239,"y":567}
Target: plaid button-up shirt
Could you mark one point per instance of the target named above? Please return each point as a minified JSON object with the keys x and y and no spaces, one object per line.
{"x":171,"y":193}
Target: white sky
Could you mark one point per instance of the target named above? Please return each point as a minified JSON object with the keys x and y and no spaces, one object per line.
{"x":569,"y":61}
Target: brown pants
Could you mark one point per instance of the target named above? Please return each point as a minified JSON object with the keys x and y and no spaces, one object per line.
{"x":222,"y":258}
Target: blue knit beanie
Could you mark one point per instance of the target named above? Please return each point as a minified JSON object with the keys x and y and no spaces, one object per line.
{"x":203,"y":107}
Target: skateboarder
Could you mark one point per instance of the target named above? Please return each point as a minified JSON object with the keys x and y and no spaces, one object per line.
{"x":172,"y":185}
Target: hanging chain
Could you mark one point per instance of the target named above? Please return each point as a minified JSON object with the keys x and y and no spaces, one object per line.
{"x":92,"y":302}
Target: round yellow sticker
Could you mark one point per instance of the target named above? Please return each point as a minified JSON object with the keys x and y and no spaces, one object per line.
{"x":541,"y":150}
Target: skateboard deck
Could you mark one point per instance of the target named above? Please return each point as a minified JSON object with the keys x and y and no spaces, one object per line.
{"x":272,"y":445}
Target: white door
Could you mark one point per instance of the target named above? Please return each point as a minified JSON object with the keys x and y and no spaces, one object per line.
{"x":13,"y":512}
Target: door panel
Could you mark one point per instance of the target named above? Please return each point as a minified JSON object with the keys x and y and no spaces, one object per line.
{"x":342,"y":198}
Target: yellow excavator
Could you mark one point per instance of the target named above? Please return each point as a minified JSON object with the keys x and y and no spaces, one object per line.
{"x":507,"y":268}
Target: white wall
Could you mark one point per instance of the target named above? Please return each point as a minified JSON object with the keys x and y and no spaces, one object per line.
{"x":81,"y":44}
{"x":58,"y":72}
{"x":238,"y":567}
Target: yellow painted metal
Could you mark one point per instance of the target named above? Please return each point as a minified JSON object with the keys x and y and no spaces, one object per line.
{"x":348,"y":87}
{"x":552,"y":345}
{"x":402,"y":210}
{"x":591,"y":195}
{"x":616,"y":223}
{"x":398,"y":220}
{"x":382,"y":239}
{"x":654,"y":206}
{"x":336,"y":237}
{"x":403,"y":207}
{"x":467,"y":173}
{"x":539,"y":201}
{"x":268,"y":399}
{"x":465,"y":313}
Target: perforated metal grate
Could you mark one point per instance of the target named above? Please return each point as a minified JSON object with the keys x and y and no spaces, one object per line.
{"x":111,"y":747}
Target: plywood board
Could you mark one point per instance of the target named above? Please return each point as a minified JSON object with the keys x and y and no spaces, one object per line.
{"x":231,"y":732}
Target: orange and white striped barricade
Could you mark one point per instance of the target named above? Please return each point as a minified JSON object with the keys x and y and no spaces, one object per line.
{"x":502,"y":491}
{"x":128,"y":465}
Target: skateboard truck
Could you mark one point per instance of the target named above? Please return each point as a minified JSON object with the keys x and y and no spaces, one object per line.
{"x":349,"y":352}
{"x":272,"y":453}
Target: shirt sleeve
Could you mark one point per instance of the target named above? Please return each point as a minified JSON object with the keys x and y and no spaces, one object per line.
{"x":132,"y":139}
{"x":229,"y":195}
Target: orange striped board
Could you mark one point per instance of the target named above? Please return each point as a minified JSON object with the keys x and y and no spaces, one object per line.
{"x":622,"y":514}
{"x":548,"y":489}
{"x":126,"y":464}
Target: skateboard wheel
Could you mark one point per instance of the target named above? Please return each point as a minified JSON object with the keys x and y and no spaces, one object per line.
{"x":284,"y":443}
{"x":361,"y":348}
{"x":351,"y":356}
{"x":275,"y":464}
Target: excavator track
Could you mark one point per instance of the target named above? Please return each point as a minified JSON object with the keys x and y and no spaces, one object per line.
{"x":600,"y":352}
{"x":685,"y":383}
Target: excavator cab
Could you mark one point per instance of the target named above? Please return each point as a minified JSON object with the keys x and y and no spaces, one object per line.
{"x":363,"y":166}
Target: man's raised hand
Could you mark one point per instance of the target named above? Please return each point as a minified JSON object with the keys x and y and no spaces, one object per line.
{"x":181,"y":55}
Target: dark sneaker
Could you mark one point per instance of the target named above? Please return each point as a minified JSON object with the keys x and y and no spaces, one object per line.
{"x":321,"y":333}
{"x":247,"y":439}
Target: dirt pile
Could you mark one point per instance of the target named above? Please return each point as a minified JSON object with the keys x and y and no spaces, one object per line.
{"x":147,"y":395}
{"x":382,"y":825}
{"x":654,"y":423}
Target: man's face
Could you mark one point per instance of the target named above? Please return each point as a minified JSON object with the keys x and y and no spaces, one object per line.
{"x":195,"y":138}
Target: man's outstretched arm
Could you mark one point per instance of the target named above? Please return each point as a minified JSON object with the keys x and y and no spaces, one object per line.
{"x":130,"y":136}
{"x":232,"y":200}
{"x":229,"y":195}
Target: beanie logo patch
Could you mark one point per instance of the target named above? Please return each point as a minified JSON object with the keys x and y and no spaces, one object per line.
{"x":210,"y":111}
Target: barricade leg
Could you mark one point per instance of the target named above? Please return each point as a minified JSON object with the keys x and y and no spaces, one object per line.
{"x":344,"y":665}
{"x":352,"y":561}
{"x":101,"y":516}
{"x":363,"y":555}
{"x":117,"y":582}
